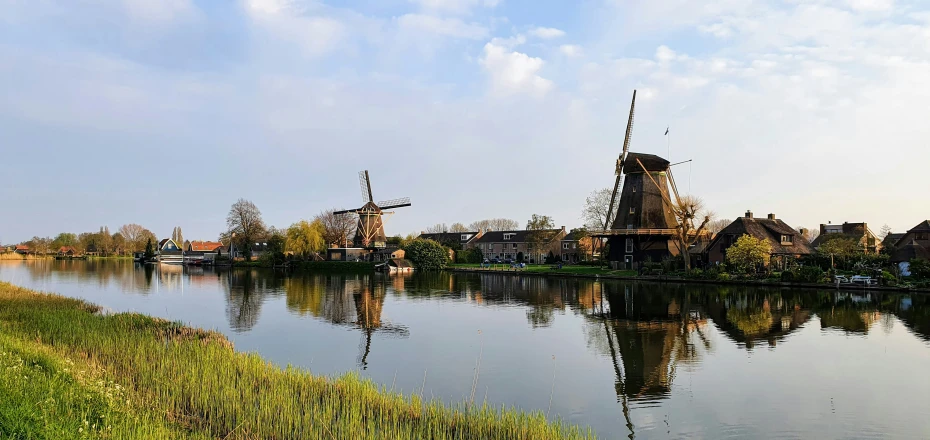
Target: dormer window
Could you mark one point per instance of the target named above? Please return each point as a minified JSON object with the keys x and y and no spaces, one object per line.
{"x":508,"y":236}
{"x":465,"y":237}
{"x":786,"y":239}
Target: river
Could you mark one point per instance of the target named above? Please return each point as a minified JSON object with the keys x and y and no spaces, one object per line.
{"x":629,"y":359}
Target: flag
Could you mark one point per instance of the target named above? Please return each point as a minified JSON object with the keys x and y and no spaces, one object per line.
{"x":666,"y":131}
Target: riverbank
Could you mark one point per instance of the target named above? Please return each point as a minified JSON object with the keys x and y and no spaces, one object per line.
{"x":68,"y":371}
{"x":314,"y":266}
{"x":601,"y":274}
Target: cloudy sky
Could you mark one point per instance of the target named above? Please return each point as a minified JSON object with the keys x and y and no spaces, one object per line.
{"x":165,"y":112}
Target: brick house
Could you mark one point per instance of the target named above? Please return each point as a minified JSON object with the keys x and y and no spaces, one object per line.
{"x":508,"y":244}
{"x":454,"y":240}
{"x":785,"y":241}
{"x":576,"y":247}
{"x":867,"y":240}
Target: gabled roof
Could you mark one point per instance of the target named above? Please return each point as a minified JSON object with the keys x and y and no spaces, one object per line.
{"x":518,"y":237}
{"x":923,"y":226}
{"x":66,"y":249}
{"x":909,"y":252}
{"x":650,"y":161}
{"x":447,"y":236}
{"x":769,"y":230}
{"x":164,"y":241}
{"x":892,"y":239}
{"x":21,"y":247}
{"x":205,"y":246}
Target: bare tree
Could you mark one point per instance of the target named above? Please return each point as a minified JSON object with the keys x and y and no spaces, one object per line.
{"x":539,"y":235}
{"x":494,"y":224}
{"x":132,"y":233}
{"x":595,"y":209}
{"x":245,"y":220}
{"x":337,"y":229}
{"x":438,"y":228}
{"x":716,"y":226}
{"x":689,"y":210}
{"x":458,"y":227}
{"x":884,"y":232}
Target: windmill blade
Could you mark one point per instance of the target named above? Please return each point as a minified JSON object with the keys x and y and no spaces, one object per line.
{"x":671,"y":181}
{"x":345,"y":211}
{"x":395,"y":203}
{"x":365,"y":185}
{"x":661,"y":191}
{"x":620,"y":162}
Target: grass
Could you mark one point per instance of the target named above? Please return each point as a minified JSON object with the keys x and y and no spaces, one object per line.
{"x":547,"y":268}
{"x":69,"y":372}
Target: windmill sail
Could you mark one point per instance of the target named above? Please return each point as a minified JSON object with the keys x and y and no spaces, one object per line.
{"x":620,"y":163}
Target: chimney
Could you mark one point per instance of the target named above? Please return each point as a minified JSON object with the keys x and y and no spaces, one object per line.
{"x":748,"y":214}
{"x":771,"y":216}
{"x":803,"y":232}
{"x":563,"y":228}
{"x":823,"y":229}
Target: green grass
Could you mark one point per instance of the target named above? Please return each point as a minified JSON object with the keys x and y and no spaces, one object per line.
{"x":547,"y":268}
{"x":67,"y":372}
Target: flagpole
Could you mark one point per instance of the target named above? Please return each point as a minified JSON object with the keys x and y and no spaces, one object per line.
{"x":668,"y":144}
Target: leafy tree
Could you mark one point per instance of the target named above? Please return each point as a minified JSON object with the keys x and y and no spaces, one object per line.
{"x":840,"y":246}
{"x":748,"y":252}
{"x":520,"y":257}
{"x":149,"y":249}
{"x":539,"y":234}
{"x":275,"y":250}
{"x":304,"y":238}
{"x":245,"y":221}
{"x":117,"y":242}
{"x":134,"y":235}
{"x":920,"y":268}
{"x":427,"y":254}
{"x":595,"y":209}
{"x":63,"y":239}
{"x":177,"y":236}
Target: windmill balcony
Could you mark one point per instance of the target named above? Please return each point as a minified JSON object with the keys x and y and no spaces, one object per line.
{"x":633,"y":231}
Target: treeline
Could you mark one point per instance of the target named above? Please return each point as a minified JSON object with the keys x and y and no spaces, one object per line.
{"x":127,"y":239}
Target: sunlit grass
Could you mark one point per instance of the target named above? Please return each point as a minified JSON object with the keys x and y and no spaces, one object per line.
{"x":71,"y":373}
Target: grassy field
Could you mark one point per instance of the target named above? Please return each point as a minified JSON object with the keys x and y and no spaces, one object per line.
{"x":68,"y":372}
{"x":548,"y":268}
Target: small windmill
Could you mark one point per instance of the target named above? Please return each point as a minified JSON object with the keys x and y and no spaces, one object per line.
{"x":644,"y":224}
{"x":369,"y":233}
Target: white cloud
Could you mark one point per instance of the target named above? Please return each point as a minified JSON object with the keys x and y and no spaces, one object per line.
{"x":514,"y":72}
{"x":455,"y":6}
{"x":290,"y":20}
{"x":871,"y":5}
{"x":664,"y":54}
{"x":547,"y":33}
{"x":450,"y":27}
{"x":158,"y":11}
{"x":571,"y":50}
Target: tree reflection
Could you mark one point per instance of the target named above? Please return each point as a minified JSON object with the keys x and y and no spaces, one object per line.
{"x":247,"y":291}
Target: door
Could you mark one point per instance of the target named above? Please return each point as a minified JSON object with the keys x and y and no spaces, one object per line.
{"x":628,"y":262}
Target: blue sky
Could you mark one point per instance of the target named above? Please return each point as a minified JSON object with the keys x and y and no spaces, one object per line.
{"x":164,"y":113}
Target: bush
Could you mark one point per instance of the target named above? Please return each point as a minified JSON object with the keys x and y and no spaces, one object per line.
{"x":889,"y":278}
{"x":469,"y":256}
{"x":695,"y":274}
{"x":920,"y":269}
{"x":810,"y":274}
{"x":427,"y":254}
{"x":788,"y":276}
{"x":723,"y":277}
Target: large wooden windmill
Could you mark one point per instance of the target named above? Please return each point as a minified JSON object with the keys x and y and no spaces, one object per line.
{"x":644,"y":226}
{"x":369,"y":233}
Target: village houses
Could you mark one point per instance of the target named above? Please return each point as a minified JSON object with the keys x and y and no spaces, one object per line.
{"x":786,"y":243}
{"x":511,"y":245}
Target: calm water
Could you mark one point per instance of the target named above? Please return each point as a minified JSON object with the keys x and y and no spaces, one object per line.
{"x":650,"y":360}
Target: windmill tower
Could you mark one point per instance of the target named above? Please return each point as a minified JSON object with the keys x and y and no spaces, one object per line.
{"x":644,"y":226}
{"x":369,"y":233}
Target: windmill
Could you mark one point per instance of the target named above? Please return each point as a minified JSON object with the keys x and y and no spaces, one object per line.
{"x":369,"y":233}
{"x":644,"y":225}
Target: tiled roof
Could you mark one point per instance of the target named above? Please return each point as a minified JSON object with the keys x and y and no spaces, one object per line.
{"x":205,"y":246}
{"x":66,"y":249}
{"x":447,"y":236}
{"x":518,"y":236}
{"x":22,"y":247}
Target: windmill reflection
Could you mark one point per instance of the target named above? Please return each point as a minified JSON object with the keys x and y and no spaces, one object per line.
{"x":357,"y":302}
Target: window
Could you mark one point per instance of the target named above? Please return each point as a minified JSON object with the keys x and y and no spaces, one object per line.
{"x":629,"y":245}
{"x":574,"y":245}
{"x":921,"y":236}
{"x":629,"y":226}
{"x":514,"y":246}
{"x":632,"y":210}
{"x":786,"y":239}
{"x":564,"y":245}
{"x":508,"y":236}
{"x":465,"y":237}
{"x":634,"y":188}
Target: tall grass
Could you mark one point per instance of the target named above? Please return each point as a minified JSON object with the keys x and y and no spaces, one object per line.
{"x":139,"y":377}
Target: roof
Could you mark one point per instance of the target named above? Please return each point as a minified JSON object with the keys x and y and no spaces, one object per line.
{"x":923,"y":226}
{"x":447,"y":236}
{"x":22,"y":247}
{"x":892,"y":238}
{"x":909,"y":252}
{"x":205,"y":246}
{"x":399,"y":262}
{"x":66,"y":249}
{"x":650,"y":161}
{"x":771,"y":231}
{"x":518,"y":237}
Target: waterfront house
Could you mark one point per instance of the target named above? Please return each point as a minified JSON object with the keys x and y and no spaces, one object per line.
{"x":903,"y":255}
{"x":67,"y":251}
{"x":786,"y":242}
{"x":399,"y":265}
{"x":859,"y":232}
{"x":919,"y":234}
{"x":890,"y":242}
{"x":21,"y":249}
{"x":454,"y":240}
{"x":576,"y":246}
{"x":201,"y":248}
{"x":511,"y":244}
{"x":169,"y":252}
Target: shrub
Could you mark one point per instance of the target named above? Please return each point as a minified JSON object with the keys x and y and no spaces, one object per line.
{"x":723,"y":277}
{"x":427,"y":254}
{"x":920,"y":269}
{"x":695,"y":274}
{"x":810,"y":274}
{"x":788,"y":276}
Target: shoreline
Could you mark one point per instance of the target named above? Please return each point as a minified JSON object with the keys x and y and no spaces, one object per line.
{"x":671,"y":280}
{"x":68,"y":370}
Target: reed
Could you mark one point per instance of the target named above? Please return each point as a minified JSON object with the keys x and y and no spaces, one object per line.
{"x":71,"y":372}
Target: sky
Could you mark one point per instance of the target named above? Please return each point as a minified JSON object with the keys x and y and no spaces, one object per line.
{"x":164,"y":113}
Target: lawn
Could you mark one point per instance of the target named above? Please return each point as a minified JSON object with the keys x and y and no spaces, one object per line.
{"x":68,"y":372}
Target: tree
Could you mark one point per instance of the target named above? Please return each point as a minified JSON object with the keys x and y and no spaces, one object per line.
{"x":276,"y":244}
{"x":809,"y":234}
{"x":427,"y":254}
{"x":494,"y":224}
{"x":539,"y":234}
{"x":86,"y":240}
{"x":245,"y":221}
{"x":920,"y":268}
{"x":39,"y":245}
{"x":149,"y":249}
{"x":749,"y":252}
{"x":716,"y":226}
{"x":304,"y":238}
{"x":458,"y":227}
{"x":64,"y":239}
{"x":132,"y":233}
{"x":688,"y":210}
{"x":103,"y":242}
{"x":839,"y":245}
{"x":118,"y":242}
{"x":884,"y":232}
{"x":585,"y":242}
{"x":595,"y":209}
{"x":177,"y":236}
{"x":438,"y":228}
{"x":337,"y":229}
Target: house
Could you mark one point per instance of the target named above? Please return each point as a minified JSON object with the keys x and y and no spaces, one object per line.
{"x":454,"y":240}
{"x":513,"y":244}
{"x":169,"y":252}
{"x":919,"y":234}
{"x":258,"y":248}
{"x":200,"y":248}
{"x":67,"y":251}
{"x":346,"y":254}
{"x":398,"y":265}
{"x":889,"y":243}
{"x":860,"y":232}
{"x":576,"y":246}
{"x":21,"y":249}
{"x":903,"y":255}
{"x":786,"y":243}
